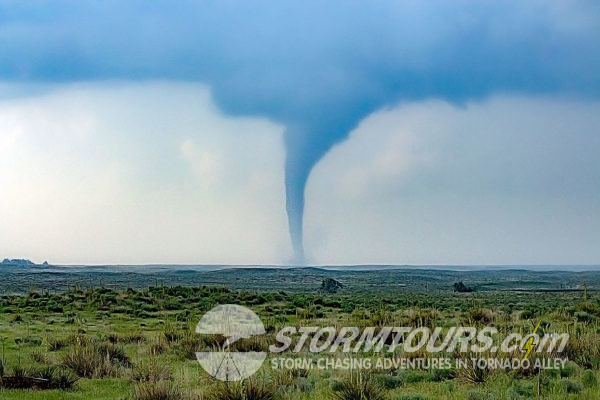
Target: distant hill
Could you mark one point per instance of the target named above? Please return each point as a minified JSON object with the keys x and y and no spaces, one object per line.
{"x":17,"y":262}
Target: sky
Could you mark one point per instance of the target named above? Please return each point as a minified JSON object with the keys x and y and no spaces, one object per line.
{"x":300,"y":132}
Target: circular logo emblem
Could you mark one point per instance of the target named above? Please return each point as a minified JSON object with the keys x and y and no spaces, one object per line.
{"x":234,"y":323}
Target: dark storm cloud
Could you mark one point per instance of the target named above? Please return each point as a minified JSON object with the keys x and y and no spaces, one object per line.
{"x":318,"y":67}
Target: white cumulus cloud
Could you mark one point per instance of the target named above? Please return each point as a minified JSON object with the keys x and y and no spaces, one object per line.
{"x":510,"y":180}
{"x":138,"y":173}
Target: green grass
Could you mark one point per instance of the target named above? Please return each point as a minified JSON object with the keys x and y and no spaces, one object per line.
{"x":44,"y":327}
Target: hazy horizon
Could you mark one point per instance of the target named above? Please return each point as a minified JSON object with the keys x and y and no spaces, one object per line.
{"x":457,"y":267}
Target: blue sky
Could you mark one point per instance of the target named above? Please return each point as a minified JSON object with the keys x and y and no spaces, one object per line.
{"x":306,"y":83}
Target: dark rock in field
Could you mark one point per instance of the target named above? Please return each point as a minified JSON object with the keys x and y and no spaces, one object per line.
{"x":24,"y":382}
{"x":330,"y":285}
{"x":461,"y":288}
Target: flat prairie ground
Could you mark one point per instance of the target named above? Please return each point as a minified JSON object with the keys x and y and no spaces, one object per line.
{"x":123,"y":343}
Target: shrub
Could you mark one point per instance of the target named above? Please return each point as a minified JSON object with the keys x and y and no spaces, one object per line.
{"x":39,"y":357}
{"x":54,"y":344}
{"x":413,"y":376}
{"x":523,"y":388}
{"x":19,"y":372}
{"x":158,"y":347}
{"x":64,"y":379}
{"x":571,"y":386}
{"x":388,"y":381}
{"x":289,"y":377}
{"x":32,"y":340}
{"x":359,"y":387}
{"x":528,"y":313}
{"x":77,"y":339}
{"x":116,"y":354}
{"x":151,"y":370}
{"x":85,"y":361}
{"x":480,"y":315}
{"x":442,"y":375}
{"x":472,"y":374}
{"x":188,"y":346}
{"x":304,"y":385}
{"x":135,"y":337}
{"x":95,"y":360}
{"x":583,"y":349}
{"x":116,"y":338}
{"x":336,"y":385}
{"x":588,"y":378}
{"x":171,"y":334}
{"x":46,"y":373}
{"x":569,"y":369}
{"x":585,"y":317}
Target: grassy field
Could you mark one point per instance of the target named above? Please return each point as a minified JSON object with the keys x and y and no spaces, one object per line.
{"x":123,"y":343}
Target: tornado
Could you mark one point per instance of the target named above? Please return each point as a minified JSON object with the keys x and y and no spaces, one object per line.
{"x":298,"y":164}
{"x":306,"y":144}
{"x":295,"y":183}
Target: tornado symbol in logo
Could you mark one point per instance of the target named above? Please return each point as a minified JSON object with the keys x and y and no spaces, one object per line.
{"x":233,"y":322}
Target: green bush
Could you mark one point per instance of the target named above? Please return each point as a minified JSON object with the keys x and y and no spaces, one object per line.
{"x":413,"y":376}
{"x":571,"y":386}
{"x":304,"y":385}
{"x":588,"y":378}
{"x":442,"y":375}
{"x":480,"y":315}
{"x":388,"y":381}
{"x":529,"y":312}
{"x":570,"y":369}
{"x":585,"y":317}
{"x":336,"y":385}
{"x":523,"y":388}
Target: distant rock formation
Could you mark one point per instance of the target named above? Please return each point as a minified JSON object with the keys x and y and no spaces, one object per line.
{"x":462,"y":288}
{"x":16,"y":262}
{"x":330,"y":285}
